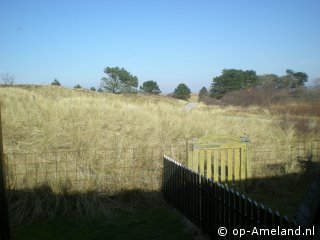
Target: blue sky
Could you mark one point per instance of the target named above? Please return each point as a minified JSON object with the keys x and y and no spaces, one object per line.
{"x":168,"y":41}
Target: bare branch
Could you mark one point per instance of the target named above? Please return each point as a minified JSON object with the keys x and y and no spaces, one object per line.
{"x":7,"y":79}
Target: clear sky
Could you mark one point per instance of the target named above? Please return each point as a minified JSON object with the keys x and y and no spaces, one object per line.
{"x":168,"y":41}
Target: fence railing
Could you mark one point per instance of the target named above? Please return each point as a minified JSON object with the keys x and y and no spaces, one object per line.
{"x":210,"y":206}
{"x":278,"y":158}
{"x":108,"y":170}
{"x":99,"y":169}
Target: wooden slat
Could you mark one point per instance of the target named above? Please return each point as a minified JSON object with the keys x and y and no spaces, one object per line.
{"x":248,"y":168}
{"x":237,"y":166}
{"x":189,"y":154}
{"x":201,"y":167}
{"x":209,"y":164}
{"x":216,"y":165}
{"x":195,"y":160}
{"x":230,"y":165}
{"x":243,"y":163}
{"x":223,"y":165}
{"x":230,"y":145}
{"x":249,"y":165}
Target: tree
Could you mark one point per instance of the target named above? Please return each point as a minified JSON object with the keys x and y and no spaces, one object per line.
{"x":283,"y":82}
{"x":232,"y":80}
{"x":292,"y":79}
{"x":7,"y":79}
{"x":268,"y":81}
{"x":100,"y":90}
{"x":119,"y":80}
{"x":182,"y":92}
{"x":77,"y":86}
{"x":55,"y":82}
{"x":93,"y":89}
{"x":203,"y":93}
{"x":288,"y":79}
{"x":150,"y":87}
{"x":300,"y":78}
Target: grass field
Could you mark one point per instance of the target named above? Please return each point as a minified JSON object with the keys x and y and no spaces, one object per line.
{"x":52,"y":118}
{"x":47,"y":126}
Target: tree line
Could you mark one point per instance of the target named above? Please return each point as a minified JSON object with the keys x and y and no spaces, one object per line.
{"x":234,"y":79}
{"x":119,"y":80}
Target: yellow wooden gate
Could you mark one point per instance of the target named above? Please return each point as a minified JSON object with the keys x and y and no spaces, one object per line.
{"x":225,"y":159}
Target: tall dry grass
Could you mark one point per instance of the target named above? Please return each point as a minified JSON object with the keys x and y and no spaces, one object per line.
{"x":54,"y":118}
{"x":49,"y":120}
{"x":299,"y":107}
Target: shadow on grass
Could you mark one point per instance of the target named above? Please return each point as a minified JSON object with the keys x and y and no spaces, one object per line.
{"x":129,"y":215}
{"x":289,"y":191}
{"x":40,"y":213}
{"x":286,"y":191}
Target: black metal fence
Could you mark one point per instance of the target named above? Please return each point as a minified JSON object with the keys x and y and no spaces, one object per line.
{"x":220,"y":211}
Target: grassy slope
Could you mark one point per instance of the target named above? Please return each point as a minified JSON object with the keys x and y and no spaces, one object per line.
{"x":45,"y":119}
{"x":40,"y":119}
{"x":54,"y":118}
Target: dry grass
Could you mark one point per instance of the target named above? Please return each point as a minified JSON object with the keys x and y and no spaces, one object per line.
{"x":54,"y":119}
{"x":93,"y":128}
{"x":305,"y":116}
{"x":299,"y":108}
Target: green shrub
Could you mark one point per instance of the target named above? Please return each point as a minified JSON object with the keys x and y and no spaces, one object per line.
{"x":182,"y":92}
